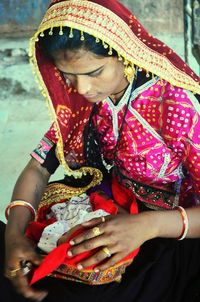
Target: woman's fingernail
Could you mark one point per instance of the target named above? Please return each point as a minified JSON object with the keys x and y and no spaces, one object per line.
{"x":79,"y":267}
{"x":69,"y":253}
{"x":72,"y":242}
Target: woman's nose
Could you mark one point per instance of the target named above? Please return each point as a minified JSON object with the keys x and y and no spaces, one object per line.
{"x":83,"y":84}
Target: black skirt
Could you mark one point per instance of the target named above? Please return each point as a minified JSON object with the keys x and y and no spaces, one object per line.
{"x":165,"y":270}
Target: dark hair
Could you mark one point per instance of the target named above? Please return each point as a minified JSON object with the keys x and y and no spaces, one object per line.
{"x":51,"y":44}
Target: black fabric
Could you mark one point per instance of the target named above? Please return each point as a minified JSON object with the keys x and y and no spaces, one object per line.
{"x":51,"y":162}
{"x":75,"y":182}
{"x":165,"y":270}
{"x":198,"y":97}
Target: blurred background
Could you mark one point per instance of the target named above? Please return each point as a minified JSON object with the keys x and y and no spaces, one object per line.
{"x":23,"y":114}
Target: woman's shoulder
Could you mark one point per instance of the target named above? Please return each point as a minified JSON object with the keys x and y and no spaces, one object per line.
{"x":179,"y":97}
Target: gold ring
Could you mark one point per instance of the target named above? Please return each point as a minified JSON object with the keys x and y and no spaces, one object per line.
{"x":96,"y":231}
{"x":12,"y":273}
{"x":103,"y":219}
{"x":106,"y":251}
{"x":26,"y":267}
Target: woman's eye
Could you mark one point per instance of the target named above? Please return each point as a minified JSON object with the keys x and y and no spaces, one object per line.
{"x":96,"y":74}
{"x":69,"y":78}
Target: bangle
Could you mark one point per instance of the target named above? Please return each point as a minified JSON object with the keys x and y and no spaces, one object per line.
{"x":22,"y":203}
{"x":184,"y":217}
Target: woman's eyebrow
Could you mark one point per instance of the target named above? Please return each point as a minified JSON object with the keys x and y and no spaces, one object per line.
{"x":87,"y":73}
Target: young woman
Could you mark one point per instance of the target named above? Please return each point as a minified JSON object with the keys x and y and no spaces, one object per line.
{"x":125,"y":104}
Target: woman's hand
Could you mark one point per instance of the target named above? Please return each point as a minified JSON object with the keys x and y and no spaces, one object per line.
{"x":20,"y":250}
{"x":119,"y":234}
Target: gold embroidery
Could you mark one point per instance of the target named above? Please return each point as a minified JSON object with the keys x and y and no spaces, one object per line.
{"x":57,"y":192}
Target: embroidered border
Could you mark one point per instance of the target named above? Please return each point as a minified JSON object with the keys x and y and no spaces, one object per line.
{"x":153,"y":197}
{"x":115,"y":109}
{"x":42,"y":149}
{"x":102,"y":23}
{"x":164,"y":166}
{"x":90,"y":276}
{"x":146,"y":124}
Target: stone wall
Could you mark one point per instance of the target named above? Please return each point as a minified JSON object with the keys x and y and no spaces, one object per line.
{"x":21,"y":17}
{"x":160,"y":15}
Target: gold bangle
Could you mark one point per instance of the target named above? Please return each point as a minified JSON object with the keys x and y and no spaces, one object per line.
{"x":12,"y":273}
{"x":22,"y":203}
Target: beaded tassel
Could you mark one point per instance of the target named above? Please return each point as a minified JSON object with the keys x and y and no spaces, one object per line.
{"x":104,"y":44}
{"x":51,"y":32}
{"x":110,"y":51}
{"x":61,"y":31}
{"x":147,"y":74}
{"x":82,"y":36}
{"x":71,"y":33}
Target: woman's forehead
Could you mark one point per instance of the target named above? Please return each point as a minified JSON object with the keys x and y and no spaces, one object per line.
{"x":75,"y":55}
{"x":80,"y":61}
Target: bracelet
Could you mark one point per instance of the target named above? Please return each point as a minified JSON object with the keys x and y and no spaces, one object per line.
{"x":22,"y":203}
{"x":184,"y":217}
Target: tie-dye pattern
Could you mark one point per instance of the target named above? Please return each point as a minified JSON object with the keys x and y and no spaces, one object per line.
{"x":160,"y":141}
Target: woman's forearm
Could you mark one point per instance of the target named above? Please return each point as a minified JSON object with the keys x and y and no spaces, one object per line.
{"x":29,"y":187}
{"x":169,"y":224}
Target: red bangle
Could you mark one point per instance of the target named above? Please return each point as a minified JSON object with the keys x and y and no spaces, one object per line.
{"x":184,"y":217}
{"x":23,"y":204}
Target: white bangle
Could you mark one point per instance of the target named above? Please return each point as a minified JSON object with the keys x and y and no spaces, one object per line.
{"x":185,"y":221}
{"x":23,"y":203}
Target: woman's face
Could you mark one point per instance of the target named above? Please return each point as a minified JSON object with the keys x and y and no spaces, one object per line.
{"x":94,"y":77}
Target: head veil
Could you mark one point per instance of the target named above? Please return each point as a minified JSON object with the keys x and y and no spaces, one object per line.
{"x":117,"y":28}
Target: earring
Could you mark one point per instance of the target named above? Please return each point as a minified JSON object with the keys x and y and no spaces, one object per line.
{"x":129,"y":71}
{"x":68,"y":82}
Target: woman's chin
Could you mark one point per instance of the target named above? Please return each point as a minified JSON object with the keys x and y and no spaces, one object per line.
{"x":94,"y":98}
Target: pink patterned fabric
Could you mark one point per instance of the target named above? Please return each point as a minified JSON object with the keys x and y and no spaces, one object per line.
{"x":160,"y":141}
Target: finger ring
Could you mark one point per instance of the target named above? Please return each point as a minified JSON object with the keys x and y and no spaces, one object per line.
{"x":26,"y":267}
{"x":103,"y":219}
{"x":96,"y":231}
{"x":12,"y":273}
{"x":107,"y":251}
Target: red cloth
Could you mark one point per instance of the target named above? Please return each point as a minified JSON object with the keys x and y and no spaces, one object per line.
{"x":59,"y":255}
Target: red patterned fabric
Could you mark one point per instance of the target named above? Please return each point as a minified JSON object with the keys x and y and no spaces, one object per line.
{"x":59,"y":255}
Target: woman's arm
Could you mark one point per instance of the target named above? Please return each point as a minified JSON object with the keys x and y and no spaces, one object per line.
{"x":169,"y":223}
{"x":29,"y":187}
{"x":124,"y":233}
